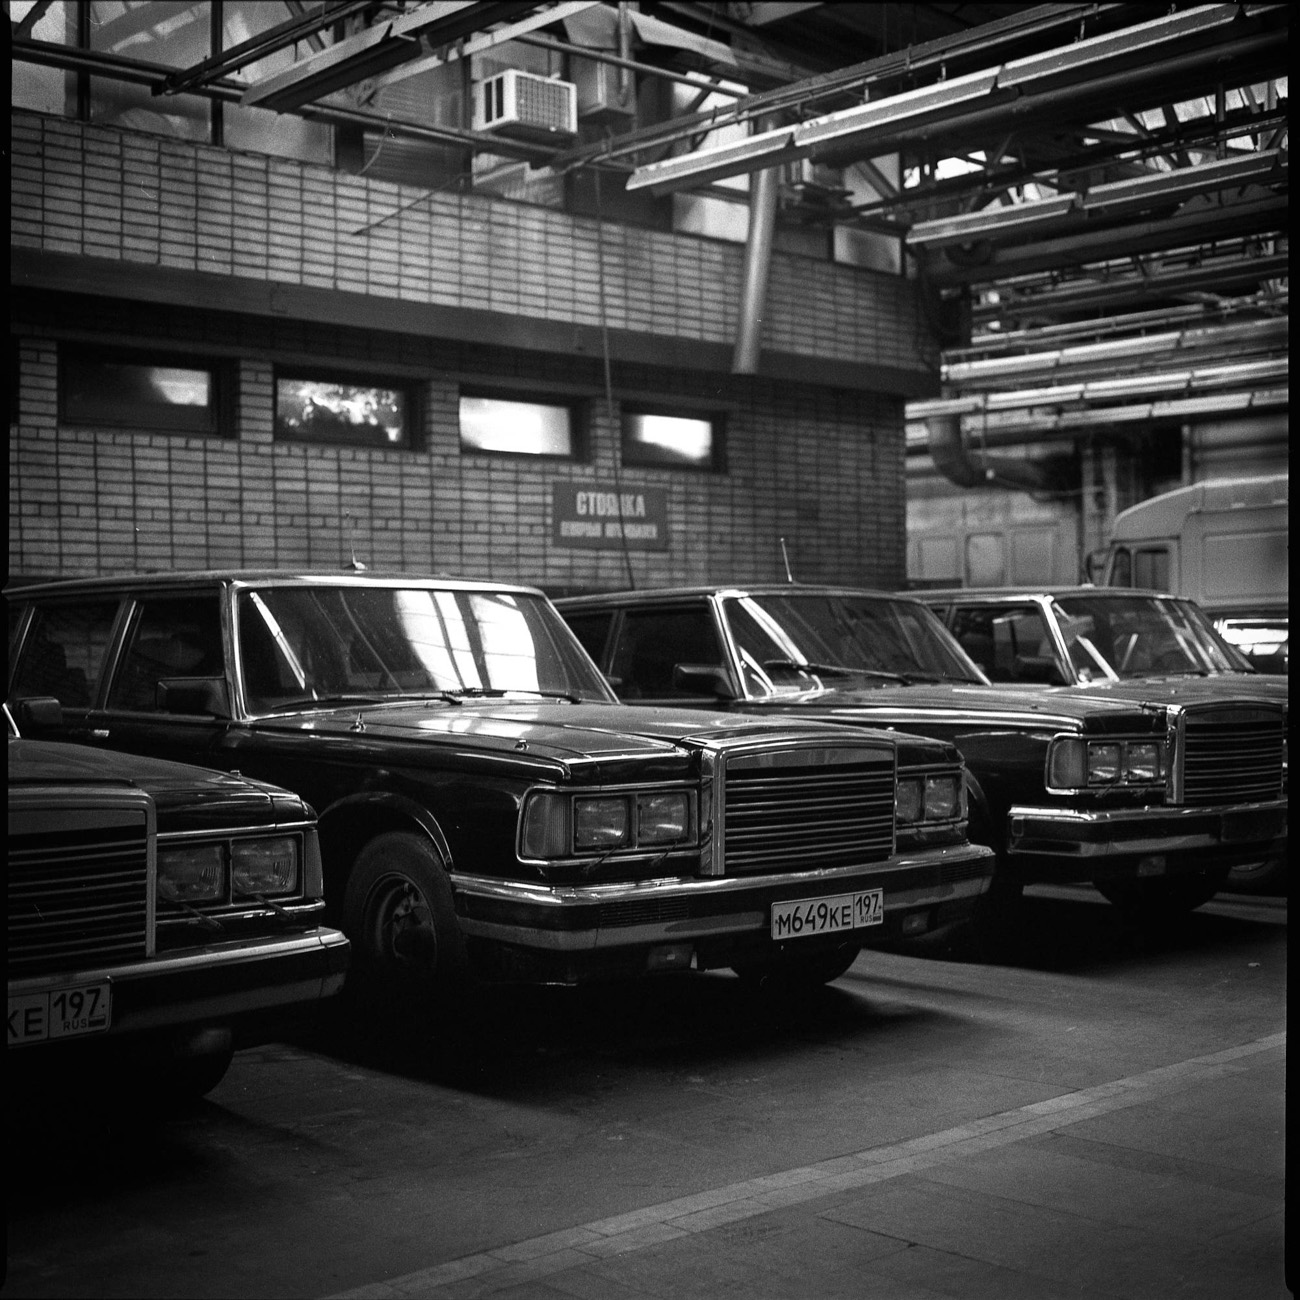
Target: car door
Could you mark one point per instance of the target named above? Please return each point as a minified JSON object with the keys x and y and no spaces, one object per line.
{"x":649,"y":644}
{"x":63,"y":648}
{"x":169,"y":691}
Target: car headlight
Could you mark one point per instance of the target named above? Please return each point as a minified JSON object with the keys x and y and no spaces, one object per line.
{"x":1103,"y":764}
{"x":942,"y":798}
{"x":602,"y":823}
{"x":192,"y":875}
{"x":1142,"y":762}
{"x":265,"y":866}
{"x":557,"y":824}
{"x":663,"y":818}
{"x":907,"y":799}
{"x":1074,"y":764}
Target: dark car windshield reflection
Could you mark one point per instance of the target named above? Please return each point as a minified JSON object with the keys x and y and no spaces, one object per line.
{"x":301,"y":646}
{"x":788,"y":643}
{"x":1142,"y":636}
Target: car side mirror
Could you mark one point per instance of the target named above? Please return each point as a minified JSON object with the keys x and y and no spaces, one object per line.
{"x":39,"y":713}
{"x":704,"y":679}
{"x":205,"y":695}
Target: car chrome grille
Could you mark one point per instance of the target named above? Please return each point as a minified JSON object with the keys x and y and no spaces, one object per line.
{"x":1232,"y":754}
{"x":819,"y":808}
{"x":78,"y":894}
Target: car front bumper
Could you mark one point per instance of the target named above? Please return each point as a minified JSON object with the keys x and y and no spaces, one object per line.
{"x":1056,"y":844}
{"x":629,"y":923}
{"x":221,"y":983}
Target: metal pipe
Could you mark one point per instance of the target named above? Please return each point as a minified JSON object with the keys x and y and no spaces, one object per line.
{"x":763,"y":188}
{"x":953,"y":460}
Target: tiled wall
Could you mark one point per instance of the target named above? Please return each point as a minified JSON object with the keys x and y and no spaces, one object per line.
{"x":821,"y":466}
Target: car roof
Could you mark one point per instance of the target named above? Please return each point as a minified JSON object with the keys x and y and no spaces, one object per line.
{"x":259,"y":577}
{"x":748,"y":589}
{"x":1020,"y":593}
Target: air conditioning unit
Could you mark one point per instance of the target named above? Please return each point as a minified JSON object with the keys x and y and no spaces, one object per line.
{"x":524,"y":106}
{"x":804,"y":174}
{"x":605,"y":93}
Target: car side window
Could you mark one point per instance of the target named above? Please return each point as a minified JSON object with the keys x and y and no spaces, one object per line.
{"x":1011,"y":643}
{"x":592,"y":629}
{"x":63,"y":652}
{"x":654,"y":641}
{"x":174,"y":636}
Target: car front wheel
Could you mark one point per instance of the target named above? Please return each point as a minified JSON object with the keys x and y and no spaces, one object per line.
{"x":398,"y":913}
{"x":1163,"y":897}
{"x":799,"y":972}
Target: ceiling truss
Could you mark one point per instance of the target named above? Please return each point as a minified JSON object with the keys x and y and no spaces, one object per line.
{"x":1058,"y":168}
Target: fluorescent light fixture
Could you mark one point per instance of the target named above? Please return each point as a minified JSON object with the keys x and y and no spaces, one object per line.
{"x":855,"y":126}
{"x":1130,"y":44}
{"x":877,"y":124}
{"x":753,"y":154}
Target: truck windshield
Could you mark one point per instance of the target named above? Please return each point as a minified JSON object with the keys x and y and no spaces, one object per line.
{"x":1144,"y":636}
{"x":299,"y":645}
{"x":806,"y":640}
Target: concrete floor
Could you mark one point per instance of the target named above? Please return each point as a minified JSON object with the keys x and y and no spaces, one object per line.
{"x":1100,"y":1115}
{"x":1165,"y":1183}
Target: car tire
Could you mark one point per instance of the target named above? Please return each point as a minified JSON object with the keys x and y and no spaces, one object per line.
{"x":1162,"y":898}
{"x":398,"y":912}
{"x":191,"y":1077}
{"x":798,"y":973}
{"x":174,"y":1069}
{"x":1267,"y":877}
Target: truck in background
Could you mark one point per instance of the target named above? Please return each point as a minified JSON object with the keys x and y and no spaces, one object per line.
{"x":1223,"y":543}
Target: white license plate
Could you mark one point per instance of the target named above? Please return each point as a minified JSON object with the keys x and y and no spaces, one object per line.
{"x":60,"y":1013}
{"x":826,"y":915}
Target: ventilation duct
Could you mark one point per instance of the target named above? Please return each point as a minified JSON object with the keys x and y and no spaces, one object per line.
{"x":953,"y":459}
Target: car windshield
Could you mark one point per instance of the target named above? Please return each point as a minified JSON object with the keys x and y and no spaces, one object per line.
{"x":306,"y":644}
{"x":807,"y":640}
{"x":1143,"y":636}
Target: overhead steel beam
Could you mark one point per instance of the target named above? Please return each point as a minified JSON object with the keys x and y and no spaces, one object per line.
{"x":1089,"y":295}
{"x":464,"y":49}
{"x":383,"y":46}
{"x":1242,"y":340}
{"x":1117,"y":198}
{"x":258,"y":47}
{"x":992,"y":263}
{"x":228,"y":91}
{"x":928,"y":58}
{"x":1079,"y":75}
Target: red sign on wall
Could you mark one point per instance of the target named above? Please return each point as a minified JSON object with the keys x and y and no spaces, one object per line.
{"x":600,"y":515}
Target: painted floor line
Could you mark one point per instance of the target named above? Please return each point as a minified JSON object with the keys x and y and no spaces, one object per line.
{"x":651,"y":1225}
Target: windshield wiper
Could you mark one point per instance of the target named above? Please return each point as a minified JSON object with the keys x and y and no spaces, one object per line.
{"x":498,"y":692}
{"x":835,"y":670}
{"x":323,"y":701}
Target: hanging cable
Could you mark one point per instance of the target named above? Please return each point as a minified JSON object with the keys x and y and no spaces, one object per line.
{"x":614,"y":423}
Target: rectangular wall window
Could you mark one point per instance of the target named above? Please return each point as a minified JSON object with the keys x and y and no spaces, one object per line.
{"x":354,"y":412}
{"x":518,"y":428}
{"x":138,"y":390}
{"x":679,"y":439}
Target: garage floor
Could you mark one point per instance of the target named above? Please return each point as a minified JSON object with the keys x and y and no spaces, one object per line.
{"x":1099,"y":1115}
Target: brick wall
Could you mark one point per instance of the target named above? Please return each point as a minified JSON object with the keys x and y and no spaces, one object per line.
{"x":820,"y":466}
{"x":137,"y":198}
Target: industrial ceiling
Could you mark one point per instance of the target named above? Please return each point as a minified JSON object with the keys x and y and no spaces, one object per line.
{"x":1094,"y":196}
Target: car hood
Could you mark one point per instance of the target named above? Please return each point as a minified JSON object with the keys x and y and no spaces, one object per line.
{"x":947,"y":701}
{"x":1191,"y":690}
{"x":187,"y":798}
{"x":560,"y":732}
